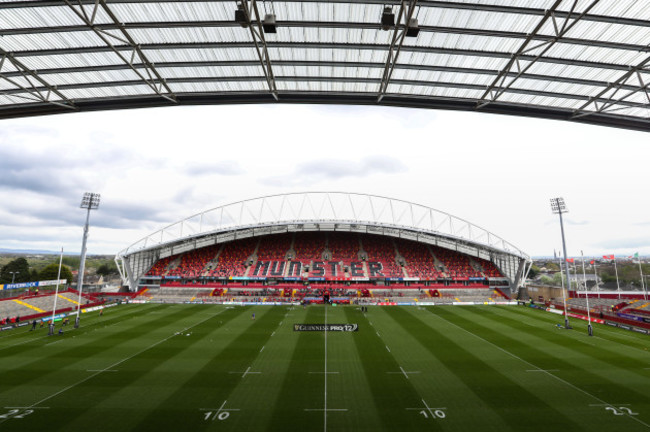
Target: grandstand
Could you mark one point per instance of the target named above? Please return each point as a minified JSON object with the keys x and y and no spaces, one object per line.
{"x":27,"y":307}
{"x":346,"y":252}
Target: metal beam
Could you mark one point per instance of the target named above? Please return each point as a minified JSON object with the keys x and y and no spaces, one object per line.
{"x":405,"y":101}
{"x":399,"y":33}
{"x":476,"y":6}
{"x":319,"y":45}
{"x":527,"y":37}
{"x":499,"y":85}
{"x":31,"y":85}
{"x":338,"y":64}
{"x":598,"y":106}
{"x":257,"y":33}
{"x":369,"y":81}
{"x":152,"y":78}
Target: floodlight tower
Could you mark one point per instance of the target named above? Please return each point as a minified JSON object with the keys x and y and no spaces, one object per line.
{"x":558,"y":206}
{"x":90,"y":201}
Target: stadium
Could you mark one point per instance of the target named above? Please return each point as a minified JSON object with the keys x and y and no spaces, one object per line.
{"x":310,"y":245}
{"x":325,"y":310}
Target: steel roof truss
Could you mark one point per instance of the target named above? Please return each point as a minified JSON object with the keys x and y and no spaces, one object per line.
{"x":478,"y":5}
{"x":35,"y":93}
{"x":151,"y":77}
{"x":499,"y":85}
{"x":257,"y":33}
{"x":396,"y":43}
{"x":616,"y":87}
{"x":155,"y":25}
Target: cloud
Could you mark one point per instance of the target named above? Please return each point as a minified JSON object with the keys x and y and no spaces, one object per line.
{"x":334,"y":169}
{"x":576,"y":222}
{"x":225,"y":168}
{"x":627,"y":243}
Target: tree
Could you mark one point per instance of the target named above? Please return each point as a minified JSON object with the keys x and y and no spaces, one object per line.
{"x":546,"y":280}
{"x":534,"y":271}
{"x":18,"y":270}
{"x":106,"y":269}
{"x":71,"y":261}
{"x":551,"y":266}
{"x":51,"y":271}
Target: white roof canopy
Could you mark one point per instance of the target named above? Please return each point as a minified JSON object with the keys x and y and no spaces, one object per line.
{"x":578,"y":60}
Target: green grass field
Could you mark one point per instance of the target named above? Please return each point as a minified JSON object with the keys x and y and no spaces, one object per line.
{"x":205,"y":367}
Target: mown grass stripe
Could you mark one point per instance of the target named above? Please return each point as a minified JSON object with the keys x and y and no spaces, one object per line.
{"x":348,"y":386}
{"x":93,"y":396}
{"x":601,"y":352}
{"x":59,"y":361}
{"x":438,"y":385}
{"x":576,"y":373}
{"x":392,"y":394}
{"x":39,"y":335}
{"x":513,"y":403}
{"x":291,"y":402}
{"x":213,"y":383}
{"x":624,"y":338}
{"x":90,"y":391}
{"x":24,"y":331}
{"x":257,"y":396}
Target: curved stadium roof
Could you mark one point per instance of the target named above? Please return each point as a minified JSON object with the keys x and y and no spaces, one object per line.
{"x":320,"y":211}
{"x":578,"y":60}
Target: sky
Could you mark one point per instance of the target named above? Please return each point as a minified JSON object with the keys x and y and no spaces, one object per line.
{"x":156,"y":166}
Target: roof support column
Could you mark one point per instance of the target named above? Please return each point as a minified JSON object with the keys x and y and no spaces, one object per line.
{"x":257,"y":33}
{"x":399,"y":33}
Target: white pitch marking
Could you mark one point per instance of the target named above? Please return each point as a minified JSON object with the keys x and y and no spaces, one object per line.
{"x":542,"y":370}
{"x":20,"y":343}
{"x":431,"y":413}
{"x":27,"y":407}
{"x":404,"y":372}
{"x":387,"y":348}
{"x":378,"y":334}
{"x":420,"y":408}
{"x":272,"y":334}
{"x":52,"y":343}
{"x":219,"y":410}
{"x":585,"y":392}
{"x":321,"y":409}
{"x":323,"y":372}
{"x":246,"y":372}
{"x":280,"y":323}
{"x":262,"y":349}
{"x":325,"y":377}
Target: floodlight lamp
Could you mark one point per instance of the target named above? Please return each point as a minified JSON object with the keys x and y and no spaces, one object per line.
{"x":387,"y":18}
{"x":558,"y":205}
{"x":269,"y":24}
{"x":413,"y":29}
{"x":90,"y":201}
{"x":241,"y":17}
